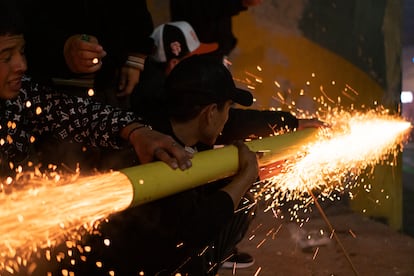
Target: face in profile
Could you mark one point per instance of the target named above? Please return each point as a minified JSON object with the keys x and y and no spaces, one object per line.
{"x":216,"y":124}
{"x":12,"y":65}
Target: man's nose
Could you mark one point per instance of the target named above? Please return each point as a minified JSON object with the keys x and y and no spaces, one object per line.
{"x":19,"y":63}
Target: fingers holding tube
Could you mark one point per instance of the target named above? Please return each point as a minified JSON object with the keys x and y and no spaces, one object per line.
{"x":174,"y":155}
{"x":152,"y":145}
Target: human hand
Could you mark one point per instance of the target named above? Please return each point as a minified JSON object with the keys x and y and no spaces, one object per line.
{"x":248,"y":3}
{"x":246,"y":175}
{"x":309,"y":123}
{"x":128,"y":79}
{"x":152,"y":145}
{"x":83,"y":56}
{"x":248,"y":164}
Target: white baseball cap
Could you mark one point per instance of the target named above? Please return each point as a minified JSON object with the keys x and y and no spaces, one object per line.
{"x":176,"y":40}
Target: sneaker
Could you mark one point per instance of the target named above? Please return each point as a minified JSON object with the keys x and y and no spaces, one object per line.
{"x":238,"y":260}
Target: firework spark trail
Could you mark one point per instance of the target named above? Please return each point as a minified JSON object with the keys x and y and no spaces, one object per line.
{"x":352,"y":143}
{"x":43,"y":215}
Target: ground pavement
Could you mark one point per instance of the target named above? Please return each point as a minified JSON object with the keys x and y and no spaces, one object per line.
{"x":365,"y":247}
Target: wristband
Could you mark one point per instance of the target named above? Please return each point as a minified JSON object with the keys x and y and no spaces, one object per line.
{"x":135,"y":65}
{"x":136,"y":62}
{"x":136,"y":128}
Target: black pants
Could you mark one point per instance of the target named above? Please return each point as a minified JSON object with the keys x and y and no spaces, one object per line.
{"x":127,"y":244}
{"x":208,"y":260}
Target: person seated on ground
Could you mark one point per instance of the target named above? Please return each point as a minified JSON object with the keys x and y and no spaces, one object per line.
{"x":176,"y":41}
{"x":195,"y":230}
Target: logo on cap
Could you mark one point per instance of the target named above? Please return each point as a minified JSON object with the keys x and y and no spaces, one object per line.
{"x":178,"y":39}
{"x":175,"y":48}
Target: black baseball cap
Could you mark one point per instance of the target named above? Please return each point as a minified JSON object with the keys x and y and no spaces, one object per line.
{"x":202,"y":80}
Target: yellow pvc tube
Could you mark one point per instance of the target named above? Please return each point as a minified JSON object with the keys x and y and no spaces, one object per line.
{"x":156,"y":180}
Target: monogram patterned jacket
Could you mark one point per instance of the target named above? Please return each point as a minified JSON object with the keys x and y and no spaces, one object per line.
{"x":38,"y":110}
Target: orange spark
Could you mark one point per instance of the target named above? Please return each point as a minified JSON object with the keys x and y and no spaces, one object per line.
{"x":352,"y":143}
{"x":41,"y":215}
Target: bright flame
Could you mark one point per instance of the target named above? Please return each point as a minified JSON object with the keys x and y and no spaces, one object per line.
{"x":353,"y":143}
{"x":43,"y":214}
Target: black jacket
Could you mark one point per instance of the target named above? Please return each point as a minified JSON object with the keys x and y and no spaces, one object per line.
{"x":148,"y":101}
{"x":211,"y":20}
{"x":148,"y":97}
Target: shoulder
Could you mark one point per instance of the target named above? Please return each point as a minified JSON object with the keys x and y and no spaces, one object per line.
{"x":29,"y":85}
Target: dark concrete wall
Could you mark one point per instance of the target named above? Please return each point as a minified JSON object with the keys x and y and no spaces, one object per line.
{"x":352,"y":29}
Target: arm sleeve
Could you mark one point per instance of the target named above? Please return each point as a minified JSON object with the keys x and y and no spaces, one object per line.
{"x":77,"y":119}
{"x":245,"y":123}
{"x":138,"y":27}
{"x":125,"y":28}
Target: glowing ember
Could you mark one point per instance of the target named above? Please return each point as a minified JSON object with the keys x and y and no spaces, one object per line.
{"x":44,"y":213}
{"x":341,"y":153}
{"x":41,"y":215}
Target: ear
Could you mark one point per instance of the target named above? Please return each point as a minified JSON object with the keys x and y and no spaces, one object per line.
{"x":208,"y":114}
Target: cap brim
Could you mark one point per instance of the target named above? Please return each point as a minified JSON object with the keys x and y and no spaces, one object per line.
{"x":243,"y":97}
{"x":205,"y":48}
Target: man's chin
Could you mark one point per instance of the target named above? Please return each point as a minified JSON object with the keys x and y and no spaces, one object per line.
{"x":11,"y":94}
